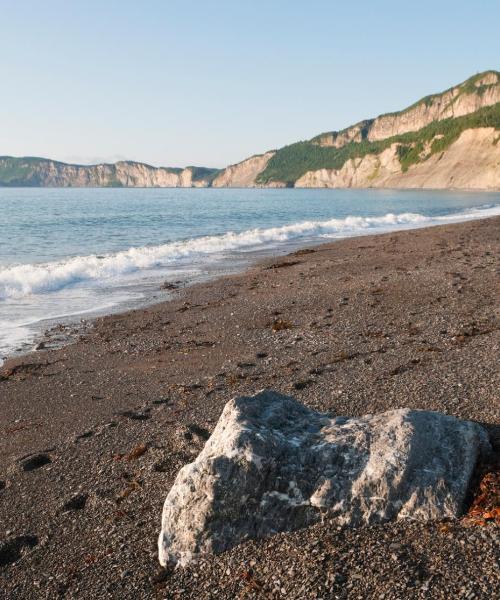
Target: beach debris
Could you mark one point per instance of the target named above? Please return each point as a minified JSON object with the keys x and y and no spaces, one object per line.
{"x":252,"y":583}
{"x":132,"y":486}
{"x":19,"y":425}
{"x":283,"y":264}
{"x":22,"y":369}
{"x":281,"y":325}
{"x":485,"y":507}
{"x":170,"y":285}
{"x":137,"y":452}
{"x":304,"y":251}
{"x":274,"y":465}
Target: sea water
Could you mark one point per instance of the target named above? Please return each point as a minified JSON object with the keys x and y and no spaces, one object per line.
{"x":66,"y":253}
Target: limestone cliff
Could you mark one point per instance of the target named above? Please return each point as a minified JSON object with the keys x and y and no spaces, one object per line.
{"x":445,"y":140}
{"x":475,"y":93}
{"x":42,"y":172}
{"x":243,"y":174}
{"x":471,"y":162}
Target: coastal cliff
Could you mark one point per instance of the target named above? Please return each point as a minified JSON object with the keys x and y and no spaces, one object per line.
{"x":244,"y":173}
{"x":445,"y":140}
{"x":477,"y":92}
{"x":471,"y":162}
{"x":41,"y":172}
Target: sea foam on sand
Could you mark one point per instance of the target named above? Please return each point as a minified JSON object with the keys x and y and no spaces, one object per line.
{"x":19,"y":281}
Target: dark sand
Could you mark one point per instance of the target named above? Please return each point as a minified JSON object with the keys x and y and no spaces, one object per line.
{"x":402,"y":319}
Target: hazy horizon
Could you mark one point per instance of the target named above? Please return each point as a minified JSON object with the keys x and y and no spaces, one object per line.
{"x":184,"y":83}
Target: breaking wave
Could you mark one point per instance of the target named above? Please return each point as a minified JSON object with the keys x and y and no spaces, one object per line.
{"x":25,"y":280}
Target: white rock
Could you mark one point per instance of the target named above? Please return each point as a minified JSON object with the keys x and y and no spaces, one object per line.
{"x":274,"y":465}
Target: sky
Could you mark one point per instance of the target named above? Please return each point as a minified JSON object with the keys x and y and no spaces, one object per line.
{"x":211,"y":82}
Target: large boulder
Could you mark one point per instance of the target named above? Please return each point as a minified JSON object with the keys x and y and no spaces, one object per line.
{"x":274,"y":465}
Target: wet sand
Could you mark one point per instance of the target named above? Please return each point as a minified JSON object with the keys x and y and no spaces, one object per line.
{"x":408,"y":319}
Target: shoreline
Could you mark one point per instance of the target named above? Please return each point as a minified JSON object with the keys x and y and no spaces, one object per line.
{"x":81,"y":328}
{"x":76,"y":322}
{"x":355,"y":326}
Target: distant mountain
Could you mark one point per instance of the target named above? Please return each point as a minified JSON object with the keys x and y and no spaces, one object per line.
{"x":445,"y":140}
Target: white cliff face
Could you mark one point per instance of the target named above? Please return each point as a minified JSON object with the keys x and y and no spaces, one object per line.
{"x":456,"y":102}
{"x":450,"y":104}
{"x":471,"y":162}
{"x":121,"y":174}
{"x":357,"y":172}
{"x":139,"y":175}
{"x":244,"y":173}
{"x":341,"y":138}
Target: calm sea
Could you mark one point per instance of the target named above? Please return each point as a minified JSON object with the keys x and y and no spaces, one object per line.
{"x":65,"y":253}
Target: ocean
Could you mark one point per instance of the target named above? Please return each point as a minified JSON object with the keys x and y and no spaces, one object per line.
{"x":68,"y":254}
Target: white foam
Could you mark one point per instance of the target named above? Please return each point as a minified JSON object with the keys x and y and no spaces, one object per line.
{"x":29,"y":279}
{"x":12,"y":335}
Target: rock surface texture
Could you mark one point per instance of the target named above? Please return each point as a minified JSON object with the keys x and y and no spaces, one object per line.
{"x":244,"y":173}
{"x":274,"y":465}
{"x":49,"y":173}
{"x":459,"y":100}
{"x":471,"y":162}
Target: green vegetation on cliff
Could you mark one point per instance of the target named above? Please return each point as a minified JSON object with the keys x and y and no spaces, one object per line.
{"x":18,"y":171}
{"x":291,"y":162}
{"x":471,"y":85}
{"x":204,"y":173}
{"x":32,"y":172}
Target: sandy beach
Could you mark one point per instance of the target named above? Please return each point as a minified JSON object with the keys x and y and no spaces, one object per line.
{"x":367,"y":324}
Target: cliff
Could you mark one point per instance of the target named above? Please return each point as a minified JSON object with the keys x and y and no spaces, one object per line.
{"x":471,"y":162}
{"x":471,"y":95}
{"x":445,"y":140}
{"x":243,"y":174}
{"x":29,"y":171}
{"x":417,"y":147}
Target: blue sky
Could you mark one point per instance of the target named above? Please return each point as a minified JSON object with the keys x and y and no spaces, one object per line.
{"x":210,"y":82}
